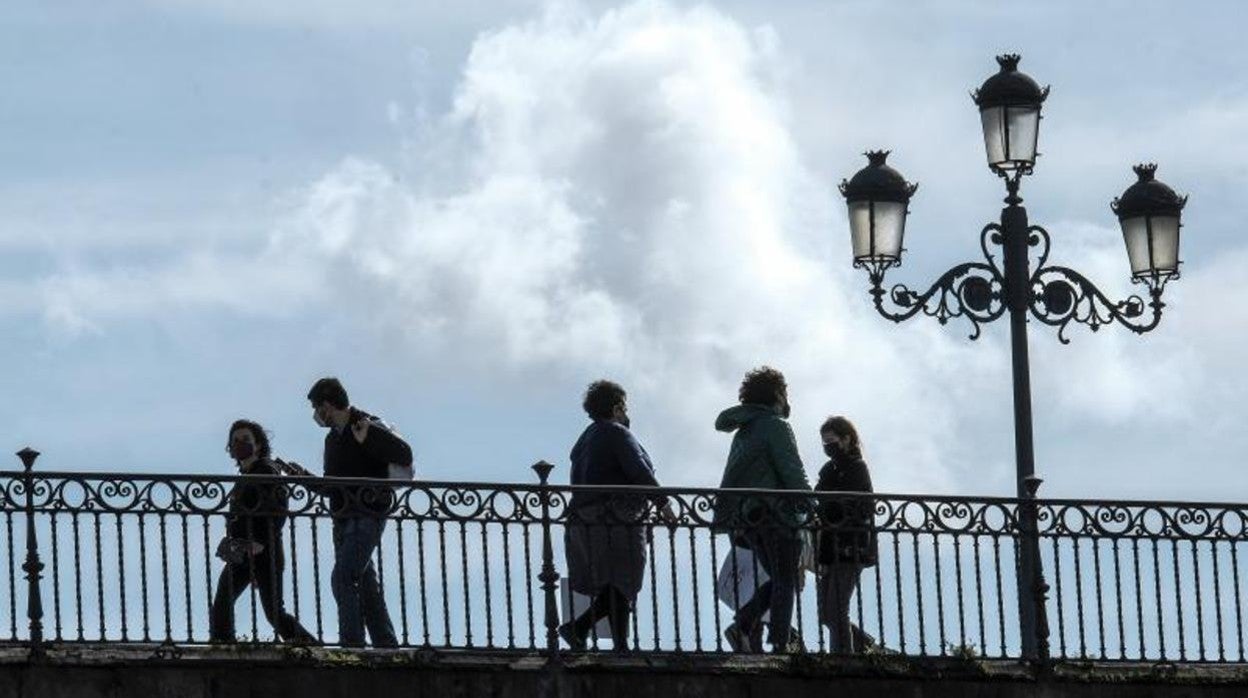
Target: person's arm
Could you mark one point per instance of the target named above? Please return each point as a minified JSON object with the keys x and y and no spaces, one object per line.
{"x":634,"y":462}
{"x":784,"y":456}
{"x":297,"y":470}
{"x":636,"y":466}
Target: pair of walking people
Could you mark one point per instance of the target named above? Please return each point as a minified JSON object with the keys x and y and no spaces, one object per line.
{"x":605,"y":536}
{"x":357,"y":445}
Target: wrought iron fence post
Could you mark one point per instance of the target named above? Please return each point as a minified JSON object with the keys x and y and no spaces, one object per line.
{"x":1039,"y":587}
{"x":32,"y":567}
{"x":549,"y":576}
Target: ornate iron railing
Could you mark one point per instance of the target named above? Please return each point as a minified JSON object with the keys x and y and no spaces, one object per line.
{"x":129,"y":558}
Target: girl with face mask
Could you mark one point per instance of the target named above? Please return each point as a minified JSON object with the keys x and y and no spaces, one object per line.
{"x":252,"y":548}
{"x":847,"y":540}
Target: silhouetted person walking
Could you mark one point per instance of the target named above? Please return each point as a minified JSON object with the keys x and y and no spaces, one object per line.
{"x":847,"y":540}
{"x":604,"y":535}
{"x":252,"y":549}
{"x":763,"y":456}
{"x":357,"y":445}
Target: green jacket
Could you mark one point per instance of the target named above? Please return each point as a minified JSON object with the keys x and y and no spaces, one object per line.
{"x":763,"y":456}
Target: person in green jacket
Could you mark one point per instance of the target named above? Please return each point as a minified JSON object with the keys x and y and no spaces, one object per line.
{"x":763,"y":456}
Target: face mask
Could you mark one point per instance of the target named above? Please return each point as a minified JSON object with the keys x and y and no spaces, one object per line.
{"x":833,"y":451}
{"x":784,"y":411}
{"x":241,"y":451}
{"x":625,"y":421}
{"x":316,"y":417}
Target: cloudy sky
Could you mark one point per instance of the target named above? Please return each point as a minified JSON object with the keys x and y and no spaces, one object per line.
{"x":468,"y":214}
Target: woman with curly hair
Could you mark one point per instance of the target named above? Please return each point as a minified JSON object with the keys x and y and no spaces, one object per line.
{"x":763,"y":456}
{"x":252,"y":548}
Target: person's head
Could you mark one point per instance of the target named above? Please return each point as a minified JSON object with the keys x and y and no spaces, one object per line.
{"x":247,"y":442}
{"x":840,"y":438}
{"x":330,"y":405}
{"x":765,"y":386}
{"x":605,"y":400}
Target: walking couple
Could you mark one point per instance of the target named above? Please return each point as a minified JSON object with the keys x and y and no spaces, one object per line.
{"x":357,"y":445}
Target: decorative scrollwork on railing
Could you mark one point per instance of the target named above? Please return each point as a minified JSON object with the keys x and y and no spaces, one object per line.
{"x":142,"y":495}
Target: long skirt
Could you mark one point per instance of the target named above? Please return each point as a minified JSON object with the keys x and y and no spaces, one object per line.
{"x":604,"y":547}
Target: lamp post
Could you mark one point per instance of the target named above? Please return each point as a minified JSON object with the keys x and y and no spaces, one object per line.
{"x":983,"y":291}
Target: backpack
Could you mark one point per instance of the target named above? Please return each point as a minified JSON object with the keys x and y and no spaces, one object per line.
{"x":397,"y":471}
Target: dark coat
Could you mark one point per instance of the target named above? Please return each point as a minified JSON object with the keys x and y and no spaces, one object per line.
{"x":847,"y":526}
{"x":346,"y":457}
{"x":258,"y":511}
{"x":603,"y":537}
{"x":763,"y":456}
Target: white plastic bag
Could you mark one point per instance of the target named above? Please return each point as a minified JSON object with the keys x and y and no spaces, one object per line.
{"x":736,"y":583}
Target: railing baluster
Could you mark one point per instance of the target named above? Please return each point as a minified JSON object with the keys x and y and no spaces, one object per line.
{"x":398,"y":532}
{"x":1239,"y":615}
{"x":1178,"y":598}
{"x":1200,"y":614}
{"x":511,"y":631}
{"x":32,"y":567}
{"x":147,"y":636}
{"x":485,"y":568}
{"x":996,"y":557}
{"x":73,"y":522}
{"x":901,"y":615}
{"x":1100,"y":603}
{"x":1122,"y":638}
{"x":424,"y":585}
{"x":697,"y":609}
{"x":549,"y":577}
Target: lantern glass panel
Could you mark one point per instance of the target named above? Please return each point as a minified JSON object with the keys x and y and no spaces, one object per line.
{"x":1135,"y":235}
{"x":890,"y":226}
{"x":860,"y":228}
{"x":1010,"y":135}
{"x":1165,"y":243}
{"x":993,"y":120}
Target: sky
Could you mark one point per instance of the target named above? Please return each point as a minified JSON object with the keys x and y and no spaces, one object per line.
{"x":469,"y":212}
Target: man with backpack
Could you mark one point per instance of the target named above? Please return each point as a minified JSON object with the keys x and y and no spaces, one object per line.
{"x":358,"y":445}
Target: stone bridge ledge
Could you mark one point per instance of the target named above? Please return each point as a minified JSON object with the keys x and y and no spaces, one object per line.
{"x":156,"y":671}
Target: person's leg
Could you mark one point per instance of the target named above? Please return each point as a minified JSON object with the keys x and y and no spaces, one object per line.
{"x":372,"y":601}
{"x":599,"y":607}
{"x":843,"y":578}
{"x":344,"y":581}
{"x":748,"y":616}
{"x":620,"y":608}
{"x":268,"y":580}
{"x":783,"y":549}
{"x":230,"y":586}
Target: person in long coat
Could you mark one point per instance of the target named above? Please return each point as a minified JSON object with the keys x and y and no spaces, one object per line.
{"x":605,"y":533}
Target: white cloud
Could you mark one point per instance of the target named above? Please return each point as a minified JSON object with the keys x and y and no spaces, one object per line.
{"x":623,"y":194}
{"x":632,"y":204}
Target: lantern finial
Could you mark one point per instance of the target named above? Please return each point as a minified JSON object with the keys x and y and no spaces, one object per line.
{"x":1147,"y":171}
{"x":1009,"y":62}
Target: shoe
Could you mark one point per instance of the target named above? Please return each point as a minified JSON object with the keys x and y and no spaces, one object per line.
{"x":791,"y":646}
{"x":738,"y":641}
{"x":741,"y":641}
{"x":567,"y":631}
{"x":756,"y":638}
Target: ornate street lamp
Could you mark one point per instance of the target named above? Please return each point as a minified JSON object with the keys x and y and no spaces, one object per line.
{"x":982,"y":291}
